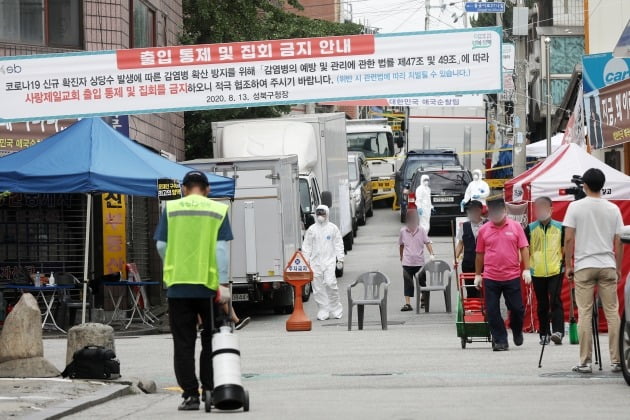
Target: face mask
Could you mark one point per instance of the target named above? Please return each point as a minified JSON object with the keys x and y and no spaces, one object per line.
{"x":544,"y":216}
{"x":496,"y":217}
{"x":321,"y":219}
{"x":425,"y":183}
{"x":475,"y":177}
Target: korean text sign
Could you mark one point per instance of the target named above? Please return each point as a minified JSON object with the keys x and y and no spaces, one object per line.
{"x":260,"y":73}
{"x":114,"y":233}
{"x":612,"y":112}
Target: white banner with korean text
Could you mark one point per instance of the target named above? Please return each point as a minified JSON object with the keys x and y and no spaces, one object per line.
{"x":259,"y":73}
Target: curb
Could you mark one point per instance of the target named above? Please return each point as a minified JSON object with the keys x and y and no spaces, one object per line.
{"x":74,"y":406}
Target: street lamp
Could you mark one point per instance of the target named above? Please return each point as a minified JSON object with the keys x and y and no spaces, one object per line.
{"x":548,"y":71}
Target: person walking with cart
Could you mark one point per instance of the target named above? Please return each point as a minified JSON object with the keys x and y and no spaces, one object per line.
{"x":501,"y":247}
{"x":411,"y":241}
{"x":187,"y":237}
{"x":593,"y":227}
{"x":546,"y":241}
{"x":467,"y":243}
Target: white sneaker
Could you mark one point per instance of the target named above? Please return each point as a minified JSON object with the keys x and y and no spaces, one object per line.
{"x":322,"y":318}
{"x":615,"y":367}
{"x":583,"y":368}
{"x":339,"y":316}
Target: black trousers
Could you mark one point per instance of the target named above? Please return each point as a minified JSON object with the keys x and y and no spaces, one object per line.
{"x":408,"y":273}
{"x":471,"y":292}
{"x":548,"y":291}
{"x":183,"y":314}
{"x":511,"y":291}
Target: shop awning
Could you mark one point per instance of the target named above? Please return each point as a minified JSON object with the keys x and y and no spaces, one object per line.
{"x":90,"y":157}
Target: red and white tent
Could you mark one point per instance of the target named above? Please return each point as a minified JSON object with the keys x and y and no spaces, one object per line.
{"x":554,"y":174}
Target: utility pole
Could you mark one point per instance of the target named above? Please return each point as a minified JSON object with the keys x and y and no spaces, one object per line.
{"x":427,"y":10}
{"x":500,"y":104}
{"x":519,"y":120}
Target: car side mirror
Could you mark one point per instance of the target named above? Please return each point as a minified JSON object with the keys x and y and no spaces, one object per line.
{"x":400,"y":142}
{"x":327,"y":198}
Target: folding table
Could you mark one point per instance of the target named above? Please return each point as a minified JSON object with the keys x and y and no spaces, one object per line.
{"x":143,"y":314}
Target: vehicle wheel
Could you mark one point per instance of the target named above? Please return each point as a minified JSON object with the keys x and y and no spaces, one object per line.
{"x":370,"y":211}
{"x":361,"y":220}
{"x":624,"y":348}
{"x":287,"y":310}
{"x":246,"y":402}
{"x":208,"y":402}
{"x":463,"y":340}
{"x":278,"y":310}
{"x":347,"y":242}
{"x":306,"y":293}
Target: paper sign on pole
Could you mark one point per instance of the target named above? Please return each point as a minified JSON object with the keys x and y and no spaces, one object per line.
{"x":245,"y":74}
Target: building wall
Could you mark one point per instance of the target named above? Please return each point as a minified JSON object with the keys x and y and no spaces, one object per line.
{"x":319,"y":9}
{"x":607,"y":19}
{"x":106,"y":26}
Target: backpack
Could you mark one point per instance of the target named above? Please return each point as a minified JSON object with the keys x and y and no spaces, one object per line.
{"x":93,"y":362}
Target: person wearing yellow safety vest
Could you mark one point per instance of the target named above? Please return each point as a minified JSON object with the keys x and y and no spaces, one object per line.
{"x":191,"y":233}
{"x":546,"y":239}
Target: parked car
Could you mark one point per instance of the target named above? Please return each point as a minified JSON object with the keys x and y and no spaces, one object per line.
{"x":448,"y":186}
{"x":360,"y":188}
{"x":418,"y":159}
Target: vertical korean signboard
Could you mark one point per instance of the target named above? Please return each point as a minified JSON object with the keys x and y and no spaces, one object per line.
{"x":114,"y":233}
{"x":257,"y":73}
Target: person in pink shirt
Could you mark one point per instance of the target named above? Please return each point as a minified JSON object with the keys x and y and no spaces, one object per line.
{"x":501,"y":247}
{"x":413,"y":238}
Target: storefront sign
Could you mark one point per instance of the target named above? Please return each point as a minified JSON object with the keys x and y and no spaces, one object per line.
{"x":20,"y":135}
{"x":114,"y":233}
{"x":599,"y":70}
{"x":169,"y":189}
{"x":165,"y":79}
{"x":611,"y":116}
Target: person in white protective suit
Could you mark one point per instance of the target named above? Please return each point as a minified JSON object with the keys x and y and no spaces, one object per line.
{"x":478,"y":190}
{"x":323,"y":248}
{"x":423,"y":203}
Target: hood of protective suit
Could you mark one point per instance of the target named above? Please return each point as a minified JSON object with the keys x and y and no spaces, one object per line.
{"x":424,"y":178}
{"x":326,"y":209}
{"x":478,"y":173}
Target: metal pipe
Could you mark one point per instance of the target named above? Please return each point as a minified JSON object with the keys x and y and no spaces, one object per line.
{"x":548,"y":71}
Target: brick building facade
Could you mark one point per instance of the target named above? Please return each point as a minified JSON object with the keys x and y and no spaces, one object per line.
{"x":43,"y":27}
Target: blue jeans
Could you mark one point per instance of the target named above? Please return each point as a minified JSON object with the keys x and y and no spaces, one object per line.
{"x":511,"y":290}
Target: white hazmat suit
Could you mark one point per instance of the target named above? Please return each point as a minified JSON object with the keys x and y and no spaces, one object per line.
{"x":478,"y":189}
{"x":423,"y":203}
{"x":323,"y":248}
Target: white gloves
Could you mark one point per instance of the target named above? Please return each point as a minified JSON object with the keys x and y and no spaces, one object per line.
{"x":478,"y":281}
{"x":339,"y":265}
{"x":431,"y":257}
{"x":527,"y":276}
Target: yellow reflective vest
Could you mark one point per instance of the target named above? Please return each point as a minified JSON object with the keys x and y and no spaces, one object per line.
{"x":193,"y":226}
{"x":545,"y":248}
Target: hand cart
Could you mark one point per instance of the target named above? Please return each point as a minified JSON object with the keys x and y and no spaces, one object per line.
{"x":472,"y":324}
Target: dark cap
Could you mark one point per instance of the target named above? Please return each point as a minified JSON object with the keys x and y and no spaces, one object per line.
{"x":496,"y":204}
{"x":196,"y":177}
{"x":474,"y":204}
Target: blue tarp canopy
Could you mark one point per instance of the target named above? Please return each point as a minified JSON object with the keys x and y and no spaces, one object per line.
{"x":89,"y":157}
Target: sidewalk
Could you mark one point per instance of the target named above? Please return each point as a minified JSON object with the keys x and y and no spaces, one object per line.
{"x":44,"y":398}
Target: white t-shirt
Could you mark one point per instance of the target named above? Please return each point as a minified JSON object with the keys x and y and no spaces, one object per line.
{"x":596,"y":222}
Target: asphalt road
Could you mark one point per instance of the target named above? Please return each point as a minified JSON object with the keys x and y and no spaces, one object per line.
{"x":414,"y":370}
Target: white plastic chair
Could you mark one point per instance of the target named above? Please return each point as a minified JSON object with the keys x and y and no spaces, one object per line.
{"x":371,"y":282}
{"x":438,"y":279}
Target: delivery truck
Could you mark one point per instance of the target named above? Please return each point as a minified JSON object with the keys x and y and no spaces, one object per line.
{"x":318,"y":141}
{"x":265,"y":220}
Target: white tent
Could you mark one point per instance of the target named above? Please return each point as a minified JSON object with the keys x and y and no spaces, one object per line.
{"x":539,"y":149}
{"x":555,"y":173}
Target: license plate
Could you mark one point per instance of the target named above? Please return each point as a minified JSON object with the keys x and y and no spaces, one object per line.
{"x":443,"y":199}
{"x":240,"y":297}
